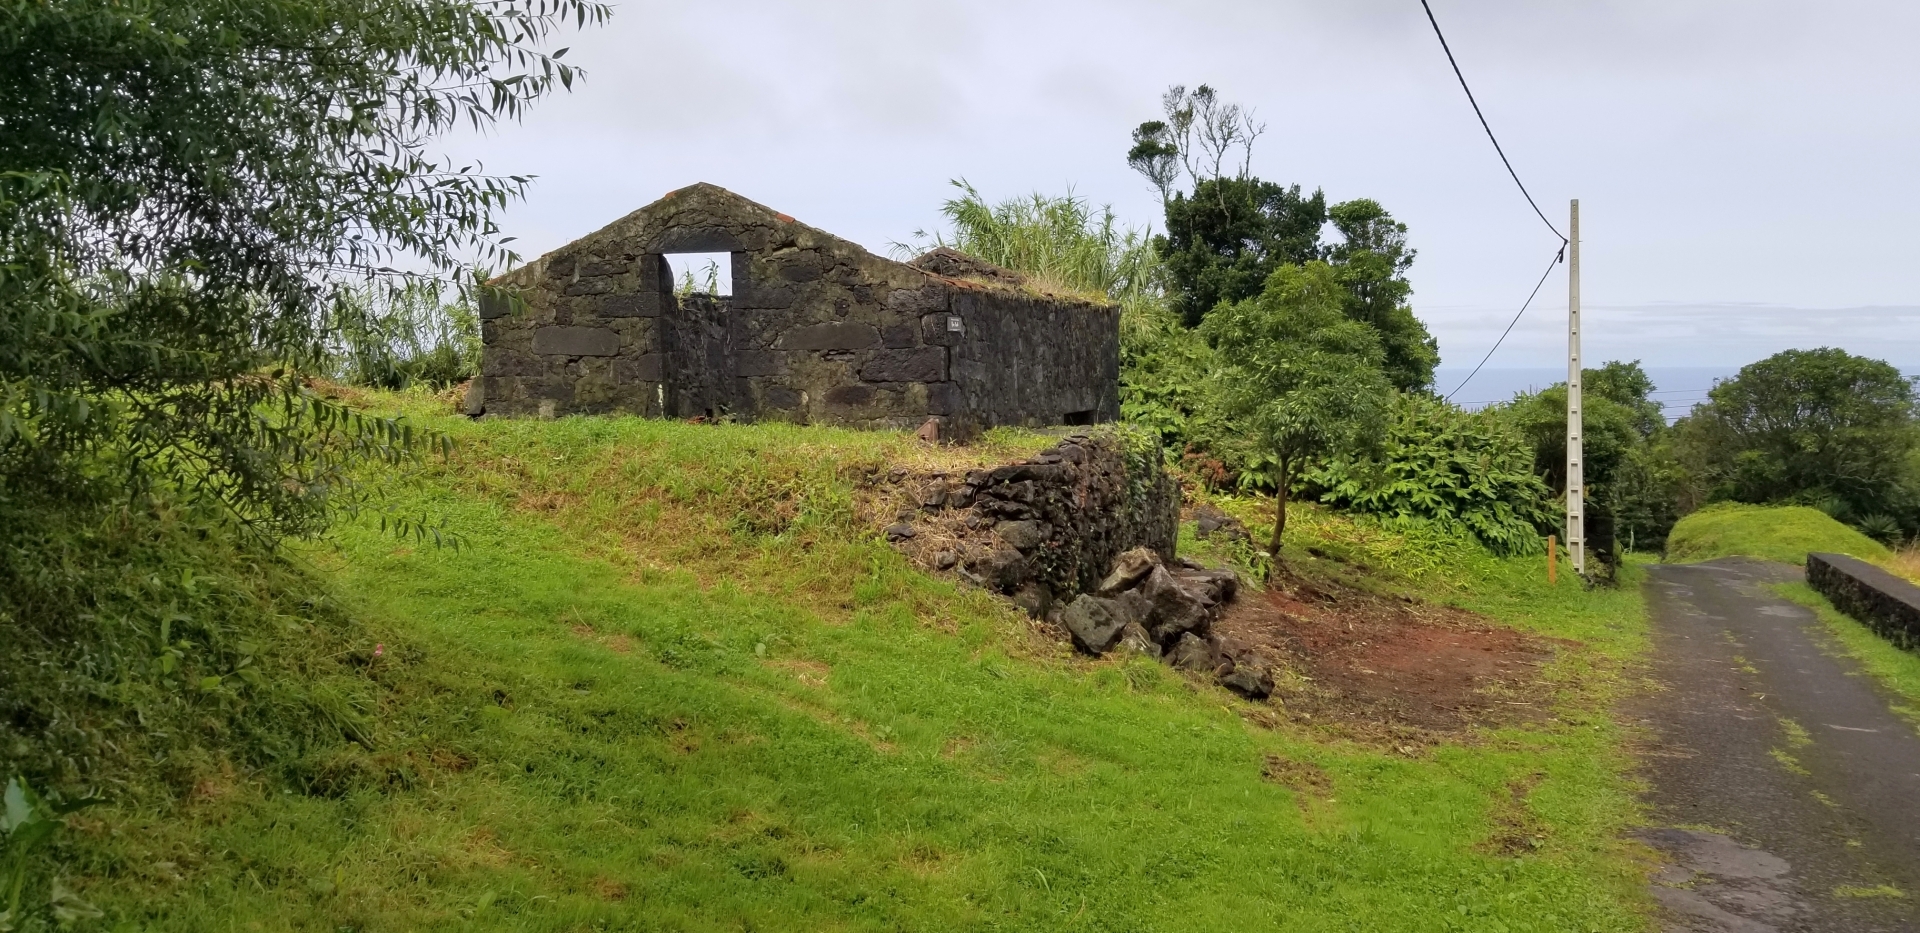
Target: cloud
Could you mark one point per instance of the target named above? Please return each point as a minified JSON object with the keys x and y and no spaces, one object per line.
{"x":1729,"y":154}
{"x":1674,"y":334}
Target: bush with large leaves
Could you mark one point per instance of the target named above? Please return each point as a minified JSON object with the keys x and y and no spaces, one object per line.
{"x":1462,"y":470}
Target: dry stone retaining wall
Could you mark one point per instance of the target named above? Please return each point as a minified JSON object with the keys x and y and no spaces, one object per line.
{"x":1049,"y":527}
{"x":1886,"y":603}
{"x":1083,"y":535}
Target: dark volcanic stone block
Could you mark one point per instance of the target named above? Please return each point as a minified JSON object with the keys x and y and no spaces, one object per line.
{"x":782,"y":398}
{"x":575,"y":341}
{"x":898,"y":337}
{"x":494,"y":305}
{"x":589,"y":287}
{"x":1884,"y":602}
{"x":838,"y":335}
{"x":628,"y":305}
{"x":1024,"y":536}
{"x":760,"y":363}
{"x":927,"y":364}
{"x":591,"y":268}
{"x":1094,"y":624}
{"x":917,"y":300}
{"x":943,"y":398}
{"x":850,"y":396}
{"x":639,"y":369}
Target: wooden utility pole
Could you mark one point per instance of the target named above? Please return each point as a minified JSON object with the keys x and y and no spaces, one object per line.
{"x":1576,"y":479}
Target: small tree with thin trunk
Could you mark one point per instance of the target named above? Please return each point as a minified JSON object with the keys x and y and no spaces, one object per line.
{"x":1300,"y":377}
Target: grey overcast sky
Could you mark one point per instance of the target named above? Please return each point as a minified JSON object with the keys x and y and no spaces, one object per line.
{"x":1746,"y":168}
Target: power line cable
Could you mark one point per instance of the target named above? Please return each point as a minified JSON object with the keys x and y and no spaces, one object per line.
{"x":1558,"y":257}
{"x":1516,"y":319}
{"x":1484,"y":125}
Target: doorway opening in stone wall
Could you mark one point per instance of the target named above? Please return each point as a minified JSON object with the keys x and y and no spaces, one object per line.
{"x":1077,"y":418}
{"x":699,"y":336}
{"x":702,"y":273}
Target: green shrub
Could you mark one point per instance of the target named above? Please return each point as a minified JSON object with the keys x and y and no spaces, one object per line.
{"x":1781,"y":533}
{"x":1163,"y":372}
{"x":1814,"y":426}
{"x":1462,"y":470}
{"x":1882,"y":528}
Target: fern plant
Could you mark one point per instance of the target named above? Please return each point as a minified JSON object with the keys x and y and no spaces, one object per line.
{"x":1443,"y":465}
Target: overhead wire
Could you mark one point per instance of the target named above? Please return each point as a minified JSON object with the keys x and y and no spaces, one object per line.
{"x":1559,"y":256}
{"x":1485,"y":126}
{"x":1516,"y":319}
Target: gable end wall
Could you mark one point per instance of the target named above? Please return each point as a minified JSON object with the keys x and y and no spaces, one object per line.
{"x":818,"y":330}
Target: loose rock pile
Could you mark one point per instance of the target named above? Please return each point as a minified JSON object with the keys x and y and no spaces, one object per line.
{"x":1045,"y":529}
{"x":1075,"y":536}
{"x":1167,"y":611}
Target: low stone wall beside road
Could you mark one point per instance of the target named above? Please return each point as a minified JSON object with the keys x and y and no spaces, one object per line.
{"x":1884,"y":602}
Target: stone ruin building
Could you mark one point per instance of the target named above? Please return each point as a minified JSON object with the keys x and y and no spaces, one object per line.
{"x":816,"y":330}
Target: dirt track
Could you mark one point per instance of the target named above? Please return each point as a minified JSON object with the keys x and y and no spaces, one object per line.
{"x":1389,"y":670}
{"x":1791,"y":790}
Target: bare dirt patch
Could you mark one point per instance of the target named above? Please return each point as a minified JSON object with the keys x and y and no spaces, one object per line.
{"x":1312,"y":788}
{"x":1516,"y":830}
{"x":1379,"y":668}
{"x":1302,"y":776}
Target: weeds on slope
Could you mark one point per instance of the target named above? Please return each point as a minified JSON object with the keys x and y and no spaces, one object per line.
{"x":150,"y":648}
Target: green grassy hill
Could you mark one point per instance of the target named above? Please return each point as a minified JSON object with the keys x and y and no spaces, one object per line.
{"x":672,"y":681}
{"x":1779,"y":533}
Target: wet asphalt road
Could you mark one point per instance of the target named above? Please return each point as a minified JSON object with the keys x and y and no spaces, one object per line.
{"x":1788,"y":790}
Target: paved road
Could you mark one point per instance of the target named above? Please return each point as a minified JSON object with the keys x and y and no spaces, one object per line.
{"x":1789,"y":789}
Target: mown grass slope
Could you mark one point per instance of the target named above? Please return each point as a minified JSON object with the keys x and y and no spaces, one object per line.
{"x":671,"y":682}
{"x":1779,"y":533}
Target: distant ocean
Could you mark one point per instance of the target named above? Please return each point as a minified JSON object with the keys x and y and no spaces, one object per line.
{"x":1678,"y":388}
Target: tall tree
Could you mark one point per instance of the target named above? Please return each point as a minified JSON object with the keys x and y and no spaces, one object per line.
{"x":1232,"y":230}
{"x":192,"y":191}
{"x":1372,"y":260}
{"x":1156,"y":156}
{"x":1228,"y":234}
{"x":1627,"y":385}
{"x":1805,"y":425}
{"x":1226,"y":238}
{"x":1301,"y":378}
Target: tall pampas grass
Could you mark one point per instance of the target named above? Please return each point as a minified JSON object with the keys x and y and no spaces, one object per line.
{"x":1061,"y":244}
